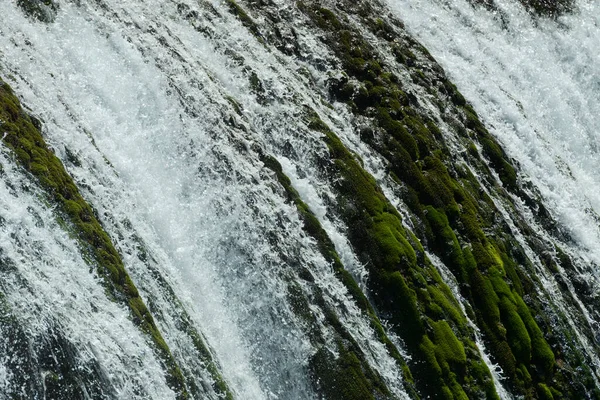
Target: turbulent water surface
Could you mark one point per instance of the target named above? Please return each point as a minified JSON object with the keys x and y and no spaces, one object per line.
{"x":163,"y":112}
{"x":535,"y":83}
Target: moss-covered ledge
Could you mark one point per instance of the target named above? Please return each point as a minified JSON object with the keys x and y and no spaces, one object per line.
{"x":451,"y":212}
{"x":23,"y":137}
{"x":331,"y":373}
{"x":406,"y":288}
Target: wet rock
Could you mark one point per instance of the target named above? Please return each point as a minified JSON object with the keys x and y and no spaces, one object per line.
{"x":552,"y":8}
{"x":42,"y":10}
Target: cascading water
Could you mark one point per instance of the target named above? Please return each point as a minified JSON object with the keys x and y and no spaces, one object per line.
{"x":176,"y":188}
{"x":534,"y":81}
{"x":196,"y":132}
{"x":56,"y":313}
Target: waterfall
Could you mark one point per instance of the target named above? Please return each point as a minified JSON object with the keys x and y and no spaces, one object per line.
{"x":533,"y":81}
{"x":227,"y":153}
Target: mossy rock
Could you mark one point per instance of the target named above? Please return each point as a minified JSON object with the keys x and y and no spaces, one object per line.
{"x":42,"y":10}
{"x":340,"y":377}
{"x":449,"y":349}
{"x":396,"y":270}
{"x":327,"y":370}
{"x":31,"y":152}
{"x":516,"y":331}
{"x":465,"y":229}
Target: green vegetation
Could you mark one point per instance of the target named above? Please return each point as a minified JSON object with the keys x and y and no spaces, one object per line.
{"x":451,"y":212}
{"x":341,"y":377}
{"x":31,"y":151}
{"x":331,"y":373}
{"x":452,"y":215}
{"x":404,"y":285}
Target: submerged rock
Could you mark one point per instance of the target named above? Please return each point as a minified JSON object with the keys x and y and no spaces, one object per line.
{"x":42,"y":10}
{"x":552,"y":8}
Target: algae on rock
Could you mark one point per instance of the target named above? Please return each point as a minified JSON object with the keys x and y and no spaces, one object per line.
{"x":451,"y":212}
{"x":25,"y":139}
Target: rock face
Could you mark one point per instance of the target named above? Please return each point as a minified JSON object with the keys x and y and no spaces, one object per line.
{"x":449,"y":209}
{"x":456,"y":248}
{"x":552,"y":8}
{"x":43,"y":10}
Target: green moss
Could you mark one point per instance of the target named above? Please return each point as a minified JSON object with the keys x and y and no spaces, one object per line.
{"x":446,"y":241}
{"x":442,"y":297}
{"x":376,"y":230}
{"x":398,"y":131}
{"x":471,"y":227}
{"x":394,"y":247}
{"x":511,"y":272}
{"x":327,"y":18}
{"x":246,"y":20}
{"x":329,"y":373}
{"x":219,"y":384}
{"x":33,"y":154}
{"x":498,"y":159}
{"x":400,"y":297}
{"x":449,"y":348}
{"x":456,"y":97}
{"x":341,"y":378}
{"x":542,"y":354}
{"x":558,"y":395}
{"x":299,"y":303}
{"x":485,"y":259}
{"x":486,"y":299}
{"x":516,"y":332}
{"x":447,"y":393}
{"x":428,"y":349}
{"x":544,"y":392}
{"x":451,"y":213}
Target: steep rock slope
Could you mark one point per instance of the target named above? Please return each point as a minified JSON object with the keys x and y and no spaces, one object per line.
{"x":422,"y":218}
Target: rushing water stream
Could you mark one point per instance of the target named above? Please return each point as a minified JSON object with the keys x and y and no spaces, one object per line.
{"x":159,"y":120}
{"x":535,"y":82}
{"x":161,"y":169}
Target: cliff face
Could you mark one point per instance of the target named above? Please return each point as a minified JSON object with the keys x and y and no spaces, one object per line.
{"x":381,"y":221}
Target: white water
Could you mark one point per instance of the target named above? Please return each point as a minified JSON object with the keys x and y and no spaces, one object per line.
{"x":48,"y":286}
{"x":534,"y":82}
{"x":160,"y":162}
{"x":138,"y":94}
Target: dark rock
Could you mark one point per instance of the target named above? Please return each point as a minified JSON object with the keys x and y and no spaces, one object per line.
{"x":42,"y":10}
